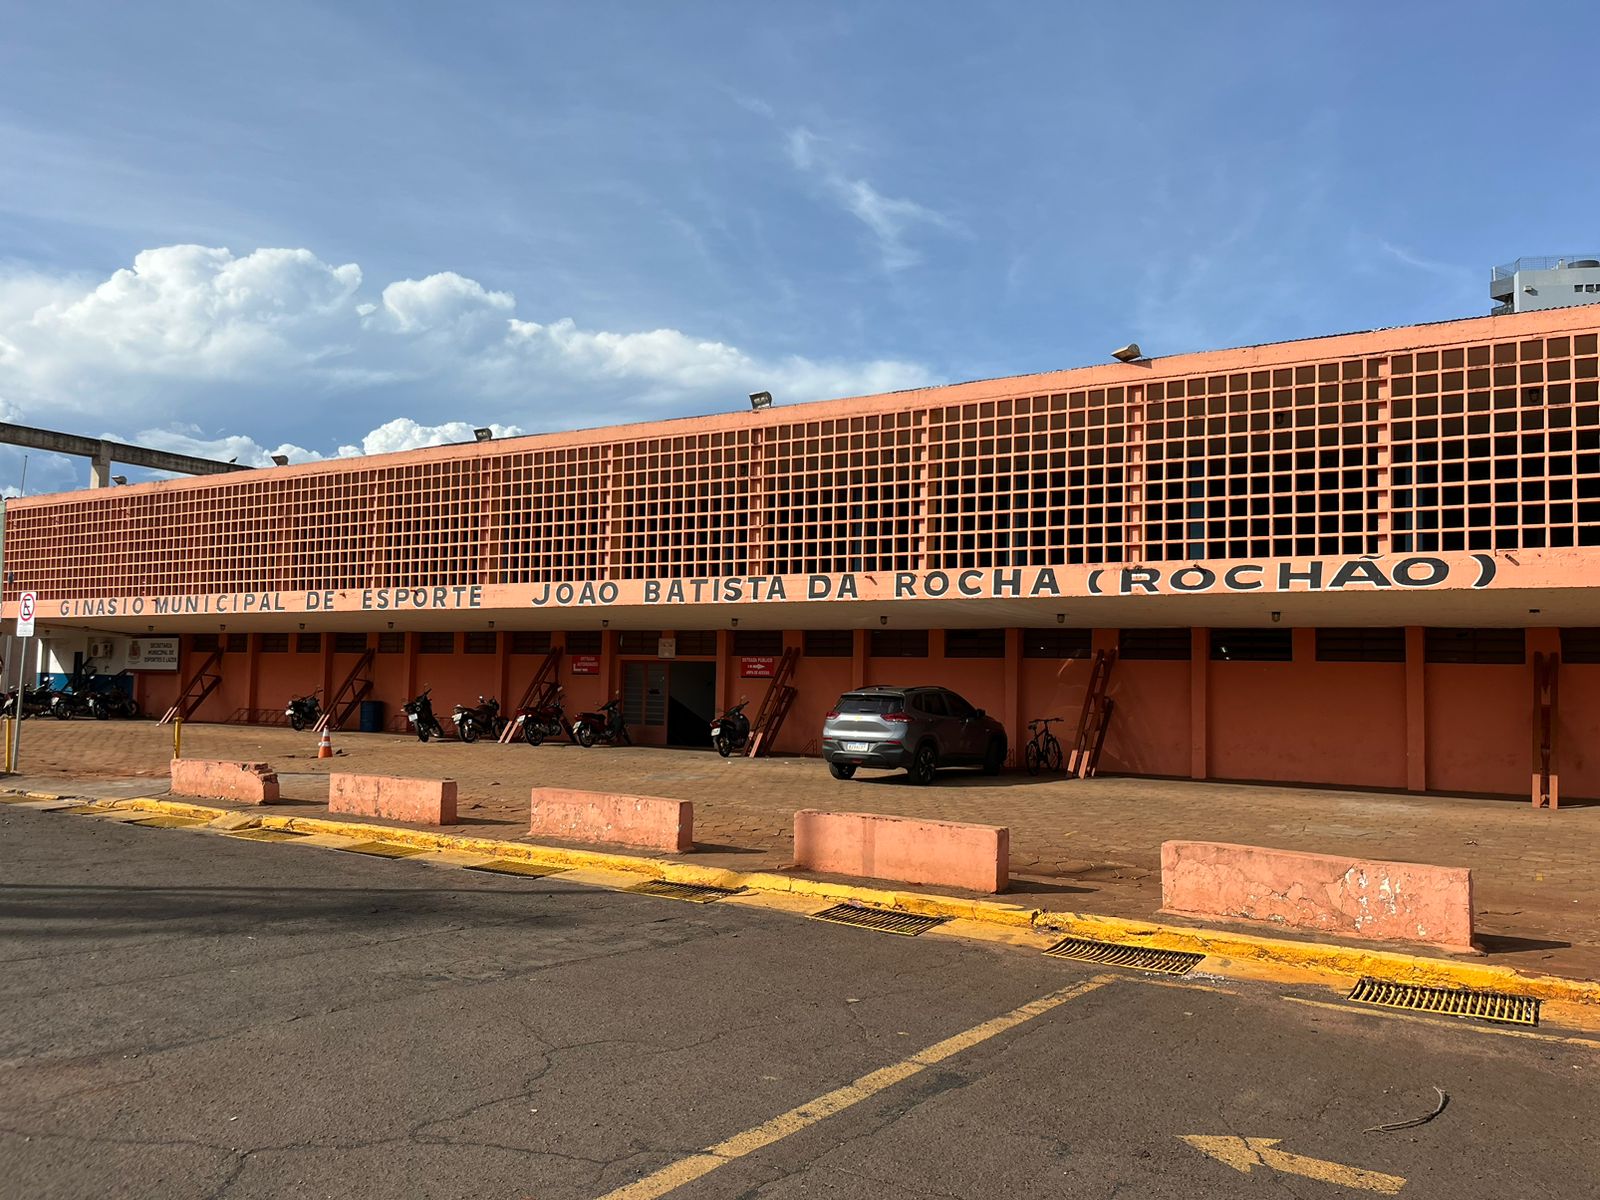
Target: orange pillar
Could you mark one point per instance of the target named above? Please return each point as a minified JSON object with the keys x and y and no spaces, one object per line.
{"x":727,"y":682}
{"x":1416,"y":710}
{"x":1012,"y":717}
{"x":1199,"y":695}
{"x":502,"y":650}
{"x":858,"y":660}
{"x":1548,"y":643}
{"x":252,"y":653}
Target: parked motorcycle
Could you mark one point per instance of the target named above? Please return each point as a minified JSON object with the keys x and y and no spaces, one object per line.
{"x":604,"y":725}
{"x":36,"y":701}
{"x":542,"y":721}
{"x":303,"y":711}
{"x":483,"y":720}
{"x":112,"y":702}
{"x":419,"y":713}
{"x":731,"y":731}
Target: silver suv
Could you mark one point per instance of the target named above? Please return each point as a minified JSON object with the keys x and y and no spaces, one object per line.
{"x":918,"y":728}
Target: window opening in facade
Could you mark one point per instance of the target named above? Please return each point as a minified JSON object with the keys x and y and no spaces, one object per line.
{"x":1058,"y":642}
{"x":1152,"y":645}
{"x":1378,"y":644}
{"x":1252,"y":645}
{"x":899,"y":643}
{"x":1505,"y":646}
{"x":975,"y":643}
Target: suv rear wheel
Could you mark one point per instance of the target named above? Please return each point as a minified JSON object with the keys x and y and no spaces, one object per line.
{"x":842,"y":770}
{"x":925,"y":764}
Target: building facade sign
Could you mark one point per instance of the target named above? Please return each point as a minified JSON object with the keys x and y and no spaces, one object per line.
{"x":153,"y":654}
{"x":1214,"y":577}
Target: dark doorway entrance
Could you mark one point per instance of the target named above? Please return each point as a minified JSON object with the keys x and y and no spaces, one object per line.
{"x":691,"y":703}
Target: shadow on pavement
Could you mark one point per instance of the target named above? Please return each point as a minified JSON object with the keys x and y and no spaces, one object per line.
{"x":96,"y":910}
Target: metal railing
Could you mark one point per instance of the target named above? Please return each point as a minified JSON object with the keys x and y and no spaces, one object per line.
{"x":1545,"y":263}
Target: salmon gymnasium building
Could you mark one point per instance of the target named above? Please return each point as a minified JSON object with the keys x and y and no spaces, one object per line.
{"x":1370,"y":560}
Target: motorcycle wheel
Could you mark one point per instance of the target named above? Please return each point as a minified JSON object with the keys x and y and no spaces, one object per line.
{"x":297,"y":723}
{"x":422,"y":733}
{"x":532,"y":733}
{"x":132,"y":710}
{"x":583,"y":734}
{"x":468,"y":731}
{"x":61,"y":712}
{"x":723,"y":746}
{"x":99,"y":711}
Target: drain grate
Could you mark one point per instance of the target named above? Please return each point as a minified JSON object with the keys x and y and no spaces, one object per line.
{"x":1137,"y":958}
{"x":169,"y":822}
{"x":382,"y":849}
{"x":266,"y":835}
{"x":512,"y":866}
{"x":884,"y":920}
{"x":1448,"y":1002}
{"x":694,"y":893}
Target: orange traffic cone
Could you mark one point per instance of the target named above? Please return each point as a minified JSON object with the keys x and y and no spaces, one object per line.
{"x":325,"y":748}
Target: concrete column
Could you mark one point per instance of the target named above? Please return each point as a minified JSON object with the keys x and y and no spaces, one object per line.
{"x":858,"y":660}
{"x":100,"y":468}
{"x":1199,"y":707}
{"x":1416,"y":711}
{"x":502,"y":654}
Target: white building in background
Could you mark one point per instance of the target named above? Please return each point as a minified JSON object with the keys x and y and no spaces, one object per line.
{"x":1534,"y":283}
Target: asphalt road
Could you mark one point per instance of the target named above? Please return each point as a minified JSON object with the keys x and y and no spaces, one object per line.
{"x":185,"y":1015}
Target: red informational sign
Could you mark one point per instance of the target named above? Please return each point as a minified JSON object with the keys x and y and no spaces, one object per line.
{"x":757,"y":668}
{"x":585,"y":664}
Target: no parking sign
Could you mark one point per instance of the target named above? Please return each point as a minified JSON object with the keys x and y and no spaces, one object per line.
{"x":25,"y":608}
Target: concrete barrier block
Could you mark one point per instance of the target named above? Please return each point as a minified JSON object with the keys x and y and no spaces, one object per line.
{"x":609,"y":817}
{"x":1330,"y":893}
{"x":907,"y":849}
{"x":425,"y":801}
{"x":248,"y":783}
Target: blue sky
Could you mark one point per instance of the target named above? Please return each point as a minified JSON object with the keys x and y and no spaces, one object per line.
{"x":367,"y":226}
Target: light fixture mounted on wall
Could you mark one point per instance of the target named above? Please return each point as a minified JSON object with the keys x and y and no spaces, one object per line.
{"x":760,"y":400}
{"x":280,"y":460}
{"x":483,"y":435}
{"x":120,"y":480}
{"x":604,"y":624}
{"x":883,"y":620}
{"x":734,"y":621}
{"x":1128,"y":353}
{"x":1061,"y":618}
{"x":1276,"y":616}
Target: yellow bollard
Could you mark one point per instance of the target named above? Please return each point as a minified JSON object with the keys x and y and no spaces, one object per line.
{"x":177,"y":737}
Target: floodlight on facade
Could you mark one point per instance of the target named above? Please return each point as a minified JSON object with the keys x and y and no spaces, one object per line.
{"x":760,"y":400}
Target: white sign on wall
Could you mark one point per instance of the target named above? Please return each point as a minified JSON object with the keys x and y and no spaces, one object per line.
{"x":153,"y":654}
{"x":26,"y":604}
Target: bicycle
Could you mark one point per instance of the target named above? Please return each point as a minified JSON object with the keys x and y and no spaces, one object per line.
{"x":1043,"y":750}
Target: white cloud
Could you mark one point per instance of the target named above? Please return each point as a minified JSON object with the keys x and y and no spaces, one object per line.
{"x":217,"y":354}
{"x":403,"y":433}
{"x":892,"y":220}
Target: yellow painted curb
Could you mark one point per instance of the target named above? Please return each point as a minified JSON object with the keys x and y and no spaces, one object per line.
{"x":1349,"y":961}
{"x":1389,"y":965}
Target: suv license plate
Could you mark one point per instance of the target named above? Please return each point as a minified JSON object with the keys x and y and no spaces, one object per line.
{"x":858,"y":747}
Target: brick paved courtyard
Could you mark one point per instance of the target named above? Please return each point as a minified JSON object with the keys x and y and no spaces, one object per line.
{"x":1091,"y":845}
